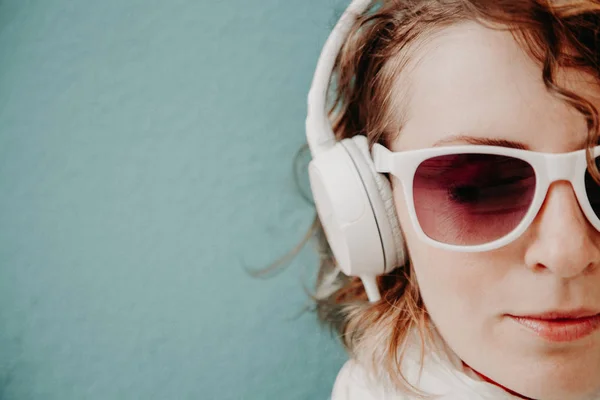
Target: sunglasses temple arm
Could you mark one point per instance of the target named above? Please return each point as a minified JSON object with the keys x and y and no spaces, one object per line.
{"x":382,"y":158}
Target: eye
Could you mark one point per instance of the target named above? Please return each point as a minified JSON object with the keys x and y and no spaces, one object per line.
{"x":463,"y":194}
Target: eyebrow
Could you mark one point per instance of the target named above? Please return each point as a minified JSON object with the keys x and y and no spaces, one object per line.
{"x":481,"y":141}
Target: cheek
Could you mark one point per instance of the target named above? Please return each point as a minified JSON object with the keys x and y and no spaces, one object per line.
{"x":455,"y":287}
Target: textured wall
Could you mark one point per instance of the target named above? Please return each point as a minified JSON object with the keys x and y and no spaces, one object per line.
{"x":145,"y":157}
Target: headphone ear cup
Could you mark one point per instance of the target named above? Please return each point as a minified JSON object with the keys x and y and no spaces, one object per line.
{"x":345,"y":211}
{"x":382,"y":201}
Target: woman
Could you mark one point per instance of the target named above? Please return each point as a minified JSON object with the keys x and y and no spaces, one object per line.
{"x":480,"y":246}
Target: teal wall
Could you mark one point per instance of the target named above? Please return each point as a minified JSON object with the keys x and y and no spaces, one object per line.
{"x":146,"y":154}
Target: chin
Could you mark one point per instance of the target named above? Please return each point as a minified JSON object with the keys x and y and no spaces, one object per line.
{"x":530,"y":366}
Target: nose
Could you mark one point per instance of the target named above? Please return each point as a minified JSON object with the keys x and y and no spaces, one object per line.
{"x":562,"y":239}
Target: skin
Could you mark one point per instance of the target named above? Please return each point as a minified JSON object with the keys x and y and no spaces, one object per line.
{"x":475,"y":81}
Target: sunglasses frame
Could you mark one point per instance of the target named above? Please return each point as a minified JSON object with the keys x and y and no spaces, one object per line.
{"x":548,"y":168}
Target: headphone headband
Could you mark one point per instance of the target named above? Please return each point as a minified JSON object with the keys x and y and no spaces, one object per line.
{"x":354,"y":202}
{"x":319,"y":132}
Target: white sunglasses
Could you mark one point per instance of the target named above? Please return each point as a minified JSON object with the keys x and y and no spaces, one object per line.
{"x":479,"y":198}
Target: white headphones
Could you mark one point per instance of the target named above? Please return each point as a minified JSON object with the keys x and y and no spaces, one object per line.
{"x":353,"y":201}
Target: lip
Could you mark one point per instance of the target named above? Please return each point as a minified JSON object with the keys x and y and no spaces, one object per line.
{"x":560,"y":326}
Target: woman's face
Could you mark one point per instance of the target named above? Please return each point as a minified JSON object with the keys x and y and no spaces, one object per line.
{"x":477,"y":82}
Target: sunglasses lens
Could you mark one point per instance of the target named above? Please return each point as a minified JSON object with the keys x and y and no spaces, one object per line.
{"x":472,"y":199}
{"x":593,"y":190}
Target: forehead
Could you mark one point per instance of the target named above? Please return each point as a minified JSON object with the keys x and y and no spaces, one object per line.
{"x":475,"y":81}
